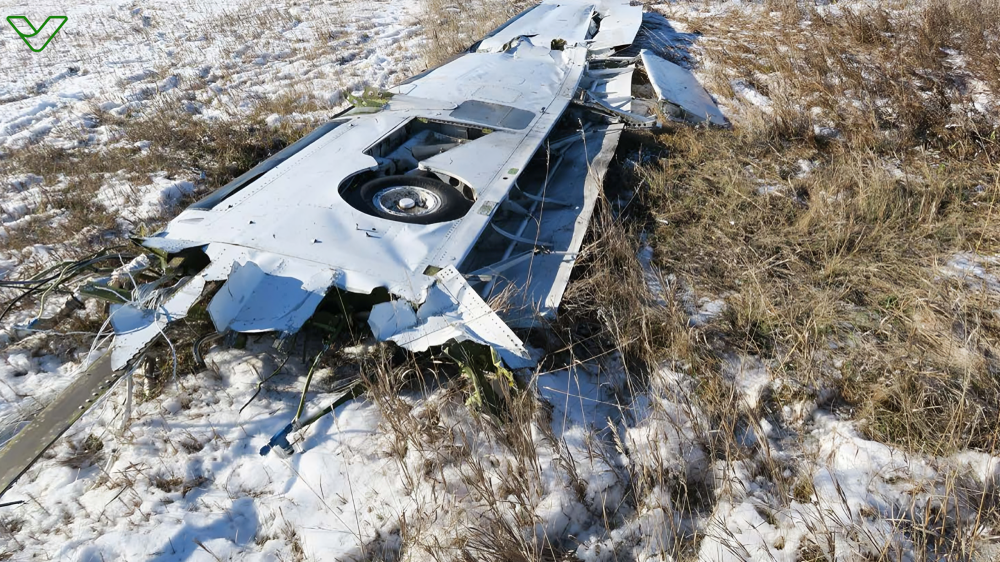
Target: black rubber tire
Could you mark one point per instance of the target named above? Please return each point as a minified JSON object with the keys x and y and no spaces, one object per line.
{"x":452,"y":204}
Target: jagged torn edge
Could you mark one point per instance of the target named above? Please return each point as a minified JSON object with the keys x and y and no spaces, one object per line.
{"x":265,"y":292}
{"x":678,"y":87}
{"x":452,"y":311}
{"x":135,"y":327}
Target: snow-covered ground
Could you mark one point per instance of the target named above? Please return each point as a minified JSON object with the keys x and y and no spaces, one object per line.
{"x":606,"y":472}
{"x":218,"y":58}
{"x":213,"y":59}
{"x":120,"y":56}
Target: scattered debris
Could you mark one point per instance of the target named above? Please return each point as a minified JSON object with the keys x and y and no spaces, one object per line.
{"x":446,"y":211}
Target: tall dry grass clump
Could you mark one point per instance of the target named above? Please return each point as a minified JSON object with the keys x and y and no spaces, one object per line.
{"x":883,"y":79}
{"x":451,"y":26}
{"x":608,"y":307}
{"x":831,"y":219}
{"x":849,"y":224}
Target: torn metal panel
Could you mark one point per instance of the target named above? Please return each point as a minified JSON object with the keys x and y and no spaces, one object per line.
{"x":453,"y":311}
{"x":601,"y":106}
{"x":569,"y":22}
{"x":135,"y":327}
{"x":613,"y":86}
{"x":390,"y":318}
{"x":677,"y":86}
{"x":620,"y":23}
{"x":275,"y":295}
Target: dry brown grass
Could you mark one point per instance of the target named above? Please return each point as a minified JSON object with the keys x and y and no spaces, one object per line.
{"x":180,"y":145}
{"x":451,"y":27}
{"x":608,"y":307}
{"x":833,"y":278}
{"x":884,"y":79}
{"x":836,"y":274}
{"x":829,"y":223}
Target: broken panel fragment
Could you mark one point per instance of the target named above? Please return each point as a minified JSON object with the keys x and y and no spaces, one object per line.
{"x":453,"y":311}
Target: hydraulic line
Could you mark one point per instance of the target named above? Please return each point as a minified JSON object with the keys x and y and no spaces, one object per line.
{"x":536,"y":204}
{"x":305,"y":389}
{"x":199,"y":359}
{"x":51,"y":278}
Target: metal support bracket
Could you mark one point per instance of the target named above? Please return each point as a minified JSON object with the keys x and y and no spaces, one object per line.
{"x":519,"y":239}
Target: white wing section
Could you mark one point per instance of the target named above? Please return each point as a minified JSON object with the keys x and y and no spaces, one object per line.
{"x":286,"y":232}
{"x":676,"y":85}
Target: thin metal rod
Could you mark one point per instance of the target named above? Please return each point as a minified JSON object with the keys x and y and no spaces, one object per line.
{"x":305,"y":389}
{"x":130,"y":388}
{"x":524,"y":223}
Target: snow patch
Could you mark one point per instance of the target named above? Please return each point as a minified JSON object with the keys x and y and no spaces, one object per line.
{"x":150,"y":201}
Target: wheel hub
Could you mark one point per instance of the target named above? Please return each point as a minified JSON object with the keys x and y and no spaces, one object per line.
{"x":406,"y":201}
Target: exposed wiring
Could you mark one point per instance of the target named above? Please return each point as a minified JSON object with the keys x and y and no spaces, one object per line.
{"x":52,"y":279}
{"x":260,"y":385}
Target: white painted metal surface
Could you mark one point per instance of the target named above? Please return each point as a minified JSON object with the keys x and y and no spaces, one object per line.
{"x":613,"y":86}
{"x":619,"y":24}
{"x":137,"y":325}
{"x":550,"y":21}
{"x":282,"y":240}
{"x":676,"y":85}
{"x":270,"y":294}
{"x":453,"y":311}
{"x":601,"y":24}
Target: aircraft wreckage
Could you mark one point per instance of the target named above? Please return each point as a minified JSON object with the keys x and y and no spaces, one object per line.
{"x":473,"y":179}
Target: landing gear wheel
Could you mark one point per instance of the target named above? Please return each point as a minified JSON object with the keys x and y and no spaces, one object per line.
{"x":411,"y":199}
